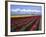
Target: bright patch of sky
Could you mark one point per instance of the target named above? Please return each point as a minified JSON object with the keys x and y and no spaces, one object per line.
{"x":25,"y":9}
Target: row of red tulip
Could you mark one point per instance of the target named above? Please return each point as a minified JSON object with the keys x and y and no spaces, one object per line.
{"x":25,"y":23}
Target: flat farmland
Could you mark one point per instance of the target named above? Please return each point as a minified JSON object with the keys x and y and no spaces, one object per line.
{"x":25,"y":23}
